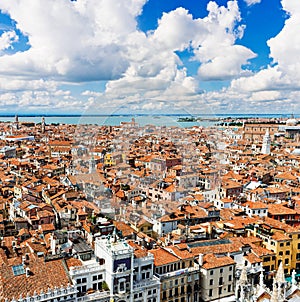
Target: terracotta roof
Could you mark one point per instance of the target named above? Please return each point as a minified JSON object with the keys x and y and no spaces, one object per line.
{"x":139,"y":251}
{"x":43,"y":275}
{"x":163,"y":257}
{"x":278,"y":236}
{"x":279,"y":209}
{"x":211,"y":261}
{"x":252,"y":258}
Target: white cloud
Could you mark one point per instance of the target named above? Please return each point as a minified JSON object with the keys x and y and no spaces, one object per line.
{"x":91,"y":93}
{"x":252,"y":2}
{"x":284,"y":74}
{"x":7,"y":39}
{"x":78,"y":41}
{"x":93,"y":40}
{"x":265,"y":96}
{"x":98,"y":40}
{"x":226,"y":64}
{"x":19,"y":84}
{"x":220,"y":57}
{"x":154,"y":70}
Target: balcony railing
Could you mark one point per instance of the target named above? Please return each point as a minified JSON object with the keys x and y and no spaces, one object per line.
{"x":79,"y":270}
{"x":146,"y":283}
{"x":179,"y":272}
{"x":97,"y":296}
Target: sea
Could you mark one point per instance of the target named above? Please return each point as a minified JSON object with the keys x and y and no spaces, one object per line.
{"x":142,"y":120}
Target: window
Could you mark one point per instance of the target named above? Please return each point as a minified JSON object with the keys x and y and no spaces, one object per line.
{"x":220,"y":280}
{"x":220,"y":290}
{"x":211,"y":281}
{"x":286,"y":261}
{"x":230,"y":268}
{"x":288,"y":244}
{"x":229,"y":288}
{"x":229,"y":277}
{"x":287,"y":252}
{"x":79,"y":281}
{"x":81,"y":289}
{"x":210,"y":292}
{"x":176,"y":291}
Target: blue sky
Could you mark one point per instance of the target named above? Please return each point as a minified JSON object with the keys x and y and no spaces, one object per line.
{"x":139,"y":56}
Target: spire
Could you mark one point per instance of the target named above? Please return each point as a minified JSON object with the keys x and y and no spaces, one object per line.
{"x":279,"y":285}
{"x":242,"y":284}
{"x":274,"y":297}
{"x":261,"y":280}
{"x":279,"y":278}
{"x":294,"y":277}
{"x":243,"y":278}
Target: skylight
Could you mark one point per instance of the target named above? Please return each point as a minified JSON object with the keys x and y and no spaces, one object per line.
{"x":18,"y":270}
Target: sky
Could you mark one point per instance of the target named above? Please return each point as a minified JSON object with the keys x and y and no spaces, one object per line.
{"x":139,"y":56}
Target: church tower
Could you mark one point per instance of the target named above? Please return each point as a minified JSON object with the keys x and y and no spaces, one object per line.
{"x":266,"y":146}
{"x":43,"y":125}
{"x":16,"y":122}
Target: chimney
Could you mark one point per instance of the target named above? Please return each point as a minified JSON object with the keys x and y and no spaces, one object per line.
{"x":200,"y":259}
{"x":27,"y":271}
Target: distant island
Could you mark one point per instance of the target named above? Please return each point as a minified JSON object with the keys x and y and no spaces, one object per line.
{"x":187,"y":119}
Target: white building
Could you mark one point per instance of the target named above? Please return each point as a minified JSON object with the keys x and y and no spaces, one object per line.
{"x":129,"y":277}
{"x":266,"y":146}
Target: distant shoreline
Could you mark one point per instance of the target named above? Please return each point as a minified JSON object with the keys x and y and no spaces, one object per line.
{"x":227,"y":115}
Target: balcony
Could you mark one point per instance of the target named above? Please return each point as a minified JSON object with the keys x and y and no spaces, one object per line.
{"x":146,"y":284}
{"x":179,"y":272}
{"x":144,"y":259}
{"x":83,"y":270}
{"x":97,"y":296}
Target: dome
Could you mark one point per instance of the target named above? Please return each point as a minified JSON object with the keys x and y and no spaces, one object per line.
{"x":291,"y":122}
